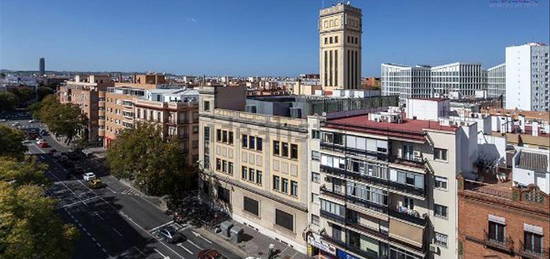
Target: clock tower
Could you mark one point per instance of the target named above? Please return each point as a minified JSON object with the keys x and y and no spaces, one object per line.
{"x":340,"y":30}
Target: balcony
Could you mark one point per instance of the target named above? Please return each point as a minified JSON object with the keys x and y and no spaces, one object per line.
{"x":348,"y":247}
{"x":408,"y":215}
{"x":413,"y":162}
{"x":525,"y":253}
{"x":355,"y":200}
{"x":343,"y":149}
{"x":506,"y":245}
{"x":333,"y":217}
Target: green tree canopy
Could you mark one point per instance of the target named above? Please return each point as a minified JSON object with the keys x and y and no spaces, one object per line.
{"x":62,"y":119}
{"x":8,"y":101}
{"x":22,"y":173}
{"x":155,"y":165}
{"x":29,"y":225}
{"x":43,"y":91}
{"x":24,"y":94}
{"x":10,"y":142}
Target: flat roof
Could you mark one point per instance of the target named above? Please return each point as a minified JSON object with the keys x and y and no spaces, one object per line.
{"x":411,"y":129}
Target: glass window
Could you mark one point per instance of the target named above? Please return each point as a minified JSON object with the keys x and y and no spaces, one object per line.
{"x":224,"y":136}
{"x":314,"y":219}
{"x":218,"y":164}
{"x":315,"y":198}
{"x":259,"y":177}
{"x":206,"y":134}
{"x":276,"y":182}
{"x":496,"y":231}
{"x":440,"y":210}
{"x":276,"y":147}
{"x":252,"y":142}
{"x":440,"y":154}
{"x":293,"y":188}
{"x":251,"y":205}
{"x":315,"y":155}
{"x":259,"y":146}
{"x":284,"y":149}
{"x":245,"y":141}
{"x":440,"y":182}
{"x":532,"y":242}
{"x":285,"y":185}
{"x":244,"y":174}
{"x":315,"y":177}
{"x":218,"y":135}
{"x":284,"y":219}
{"x":230,"y":141}
{"x":440,"y":239}
{"x":294,"y":151}
{"x":251,"y":174}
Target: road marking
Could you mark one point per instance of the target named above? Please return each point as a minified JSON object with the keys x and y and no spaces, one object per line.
{"x":199,"y":235}
{"x":77,"y":202}
{"x":108,"y":188}
{"x":191,"y":242}
{"x":114,"y":229}
{"x":99,"y":216}
{"x":167,"y":223}
{"x":93,"y":239}
{"x":185,"y":248}
{"x":163,"y":256}
{"x":144,"y":230}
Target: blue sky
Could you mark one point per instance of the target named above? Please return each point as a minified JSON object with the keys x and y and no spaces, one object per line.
{"x":255,"y":37}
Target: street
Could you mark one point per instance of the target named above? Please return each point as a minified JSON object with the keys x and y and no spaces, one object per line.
{"x":114,"y":221}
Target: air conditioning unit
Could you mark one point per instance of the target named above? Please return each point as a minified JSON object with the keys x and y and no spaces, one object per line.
{"x":417,"y":154}
{"x":433,"y":248}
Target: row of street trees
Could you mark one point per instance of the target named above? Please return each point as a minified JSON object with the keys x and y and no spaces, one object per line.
{"x":153,"y":164}
{"x":29,"y":224}
{"x":22,"y":96}
{"x":65,"y":120}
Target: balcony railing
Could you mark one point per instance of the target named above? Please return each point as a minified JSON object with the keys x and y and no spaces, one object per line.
{"x":373,"y":180}
{"x":408,"y":215}
{"x":526,"y":253}
{"x":355,"y":200}
{"x":344,"y":149}
{"x":413,"y":162}
{"x":506,"y":245}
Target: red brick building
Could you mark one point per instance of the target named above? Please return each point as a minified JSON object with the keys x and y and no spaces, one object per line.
{"x":497,"y":220}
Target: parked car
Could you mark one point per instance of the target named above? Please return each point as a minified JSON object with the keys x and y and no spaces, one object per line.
{"x":171,"y":235}
{"x":42,"y":143}
{"x":210,"y":254}
{"x":89,"y":176}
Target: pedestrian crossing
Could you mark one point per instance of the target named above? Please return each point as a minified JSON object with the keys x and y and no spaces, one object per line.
{"x":130,"y":191}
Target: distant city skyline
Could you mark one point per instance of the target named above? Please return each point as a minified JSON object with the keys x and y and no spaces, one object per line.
{"x":255,"y":37}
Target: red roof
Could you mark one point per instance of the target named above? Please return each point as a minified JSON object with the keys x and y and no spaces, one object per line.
{"x":411,"y":129}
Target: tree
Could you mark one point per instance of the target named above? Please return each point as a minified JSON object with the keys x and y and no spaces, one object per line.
{"x":30,"y":227}
{"x":43,"y":91}
{"x":10,"y":142}
{"x":62,"y":119}
{"x":20,"y":173}
{"x":8,"y":101}
{"x":23,"y":93}
{"x":156,"y":166}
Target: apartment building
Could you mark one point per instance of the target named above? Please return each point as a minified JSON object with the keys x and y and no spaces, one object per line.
{"x":175,"y":111}
{"x":527,"y":85}
{"x":254,"y":165}
{"x":496,"y":82}
{"x":384,"y":186}
{"x":406,"y":81}
{"x":88,"y":92}
{"x":500,"y":220}
{"x":144,"y":81}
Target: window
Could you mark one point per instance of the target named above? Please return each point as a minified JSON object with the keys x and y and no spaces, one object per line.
{"x":315,"y":155}
{"x":224,"y":136}
{"x":206,"y":106}
{"x":315,"y":177}
{"x":218,"y":164}
{"x":251,"y":142}
{"x":333,"y":208}
{"x":532,"y":242}
{"x":496,"y":231}
{"x":314,"y":219}
{"x":440,"y":154}
{"x":230,"y":168}
{"x":245,"y":141}
{"x":293,"y":188}
{"x":440,"y":211}
{"x":230,"y":138}
{"x":337,"y":233}
{"x":284,"y":219}
{"x":251,"y":174}
{"x":259,"y":146}
{"x":440,"y":182}
{"x":294,"y":151}
{"x":206,"y":134}
{"x":259,"y":177}
{"x":285,"y":150}
{"x":218,"y":135}
{"x":315,"y":134}
{"x":224,"y":166}
{"x":244,"y":173}
{"x":440,"y":239}
{"x":284,"y":187}
{"x":195,"y":129}
{"x":251,"y":205}
{"x":276,"y":182}
{"x":276,"y":147}
{"x":315,"y":198}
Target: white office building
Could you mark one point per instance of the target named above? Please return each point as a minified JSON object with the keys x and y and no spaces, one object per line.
{"x":496,"y":81}
{"x":406,"y":81}
{"x":527,"y":77}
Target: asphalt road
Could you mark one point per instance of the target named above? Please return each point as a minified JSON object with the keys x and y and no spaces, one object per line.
{"x":115,"y":221}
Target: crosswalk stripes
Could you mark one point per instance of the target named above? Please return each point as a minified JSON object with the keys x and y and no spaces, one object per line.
{"x":131,"y":191}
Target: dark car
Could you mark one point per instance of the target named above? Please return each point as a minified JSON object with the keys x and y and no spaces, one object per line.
{"x":171,"y":235}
